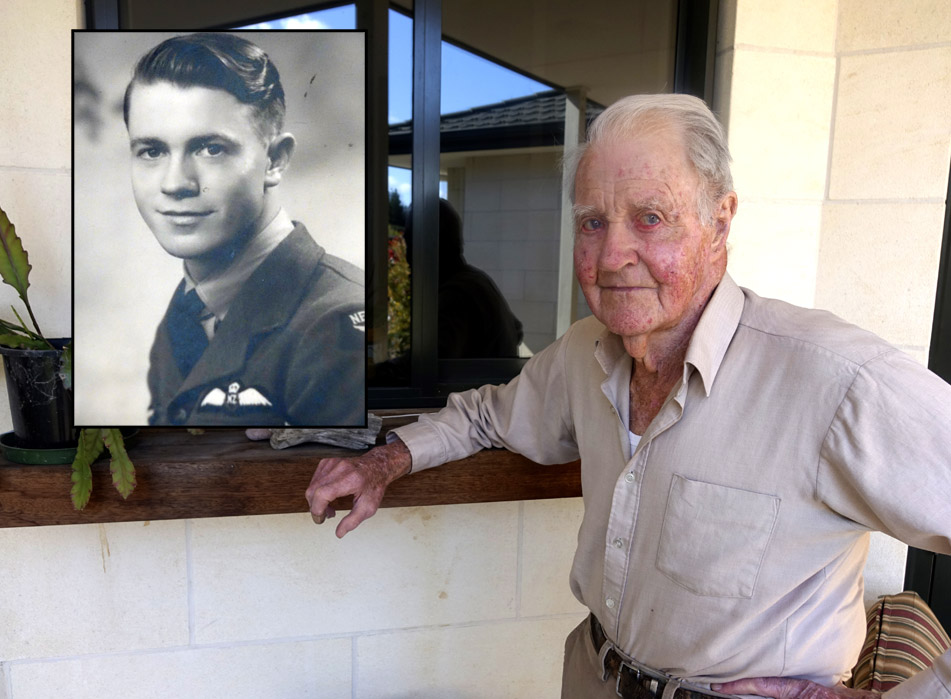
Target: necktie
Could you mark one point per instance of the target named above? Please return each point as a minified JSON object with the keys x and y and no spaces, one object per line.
{"x":185,"y":332}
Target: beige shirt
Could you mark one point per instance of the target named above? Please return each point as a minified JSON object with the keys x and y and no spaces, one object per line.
{"x":731,"y":543}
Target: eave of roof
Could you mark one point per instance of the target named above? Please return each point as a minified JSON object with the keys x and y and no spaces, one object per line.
{"x":535,"y":120}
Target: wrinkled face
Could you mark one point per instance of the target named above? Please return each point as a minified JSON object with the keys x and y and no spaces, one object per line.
{"x":642,"y":257}
{"x":198,"y":167}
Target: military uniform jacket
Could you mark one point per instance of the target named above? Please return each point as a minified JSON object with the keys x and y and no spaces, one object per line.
{"x":291,"y":350}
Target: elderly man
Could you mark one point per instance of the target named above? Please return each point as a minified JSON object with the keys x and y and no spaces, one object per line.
{"x":735,"y":450}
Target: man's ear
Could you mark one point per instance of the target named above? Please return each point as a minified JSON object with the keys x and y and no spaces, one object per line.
{"x":723,"y":216}
{"x":279,"y":152}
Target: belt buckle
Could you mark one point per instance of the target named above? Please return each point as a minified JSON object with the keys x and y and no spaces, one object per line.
{"x":652,"y":688}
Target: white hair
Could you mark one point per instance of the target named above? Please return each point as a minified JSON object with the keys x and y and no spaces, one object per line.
{"x":704,"y":141}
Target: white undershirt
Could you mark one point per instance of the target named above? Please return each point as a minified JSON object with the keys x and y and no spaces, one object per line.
{"x":635,"y":440}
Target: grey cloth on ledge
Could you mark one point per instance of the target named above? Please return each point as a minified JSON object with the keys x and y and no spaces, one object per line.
{"x":348,"y":438}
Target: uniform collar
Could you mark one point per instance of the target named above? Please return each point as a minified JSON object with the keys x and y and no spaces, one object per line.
{"x":266,"y":303}
{"x":218,"y":291}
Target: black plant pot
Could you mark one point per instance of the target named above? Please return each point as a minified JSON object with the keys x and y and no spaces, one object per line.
{"x":40,"y":404}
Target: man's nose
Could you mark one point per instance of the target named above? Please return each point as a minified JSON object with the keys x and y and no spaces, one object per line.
{"x":619,"y":248}
{"x":180,"y":179}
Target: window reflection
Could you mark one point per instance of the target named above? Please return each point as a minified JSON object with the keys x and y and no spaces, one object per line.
{"x":475,"y":320}
{"x":501,"y":162}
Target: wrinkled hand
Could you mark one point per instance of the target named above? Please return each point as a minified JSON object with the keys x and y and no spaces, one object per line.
{"x":365,"y":477}
{"x":788,"y":688}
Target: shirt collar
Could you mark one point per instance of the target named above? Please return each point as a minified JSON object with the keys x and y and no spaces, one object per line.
{"x":715,"y":331}
{"x":709,"y":341}
{"x":218,"y":291}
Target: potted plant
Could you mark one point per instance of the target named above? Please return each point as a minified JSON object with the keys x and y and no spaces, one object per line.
{"x":39,"y":386}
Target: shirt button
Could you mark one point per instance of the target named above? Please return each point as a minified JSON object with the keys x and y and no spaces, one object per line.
{"x":609,"y":603}
{"x":629,"y":478}
{"x":618,"y":543}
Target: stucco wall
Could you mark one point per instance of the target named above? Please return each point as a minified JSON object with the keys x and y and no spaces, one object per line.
{"x":839,"y":120}
{"x":419,"y":602}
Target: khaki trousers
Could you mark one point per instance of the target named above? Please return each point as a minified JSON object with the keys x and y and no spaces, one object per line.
{"x":581,"y":676}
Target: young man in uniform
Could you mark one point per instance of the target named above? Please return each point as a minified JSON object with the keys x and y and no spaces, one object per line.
{"x":265,"y":328}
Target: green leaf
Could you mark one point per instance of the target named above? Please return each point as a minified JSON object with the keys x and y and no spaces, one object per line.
{"x":36,"y":334}
{"x":89,"y":448}
{"x":22,"y":342}
{"x":123,"y":472}
{"x":14,"y":262}
{"x":12,"y":327}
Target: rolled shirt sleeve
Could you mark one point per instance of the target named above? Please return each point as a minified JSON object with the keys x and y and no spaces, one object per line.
{"x":529,"y":415}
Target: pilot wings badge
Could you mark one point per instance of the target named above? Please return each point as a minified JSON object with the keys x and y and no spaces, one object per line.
{"x":235,"y":398}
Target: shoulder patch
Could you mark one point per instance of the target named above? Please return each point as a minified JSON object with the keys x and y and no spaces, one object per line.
{"x":358,"y":320}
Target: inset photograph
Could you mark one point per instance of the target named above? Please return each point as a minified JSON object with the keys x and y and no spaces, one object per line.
{"x":219,"y":228}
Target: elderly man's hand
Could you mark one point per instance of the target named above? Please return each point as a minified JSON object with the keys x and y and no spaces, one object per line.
{"x":364,"y":477}
{"x":788,"y":688}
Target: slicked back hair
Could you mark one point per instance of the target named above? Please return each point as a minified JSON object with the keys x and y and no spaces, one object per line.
{"x":218,"y":61}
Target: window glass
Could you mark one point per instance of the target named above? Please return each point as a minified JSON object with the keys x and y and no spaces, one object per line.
{"x":475,"y":319}
{"x":343,"y":17}
{"x":499,"y":211}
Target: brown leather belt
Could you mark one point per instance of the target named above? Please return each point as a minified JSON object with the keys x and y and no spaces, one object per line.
{"x":639,"y":682}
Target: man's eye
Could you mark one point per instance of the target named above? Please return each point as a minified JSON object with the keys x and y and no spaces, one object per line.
{"x":211,"y":149}
{"x":649,"y":220}
{"x":590,"y":225}
{"x":149,"y":153}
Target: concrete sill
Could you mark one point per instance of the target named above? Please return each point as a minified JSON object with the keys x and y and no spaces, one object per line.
{"x":221,"y":473}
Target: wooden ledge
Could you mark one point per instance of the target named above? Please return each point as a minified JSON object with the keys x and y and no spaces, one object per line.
{"x":221,"y":473}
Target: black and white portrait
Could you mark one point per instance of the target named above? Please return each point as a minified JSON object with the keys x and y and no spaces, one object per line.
{"x":219,"y":228}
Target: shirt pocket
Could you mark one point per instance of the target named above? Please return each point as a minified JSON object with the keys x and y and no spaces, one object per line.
{"x":714,"y":538}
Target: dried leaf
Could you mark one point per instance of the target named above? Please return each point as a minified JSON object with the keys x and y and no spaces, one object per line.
{"x":89,"y":448}
{"x":123,"y":472}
